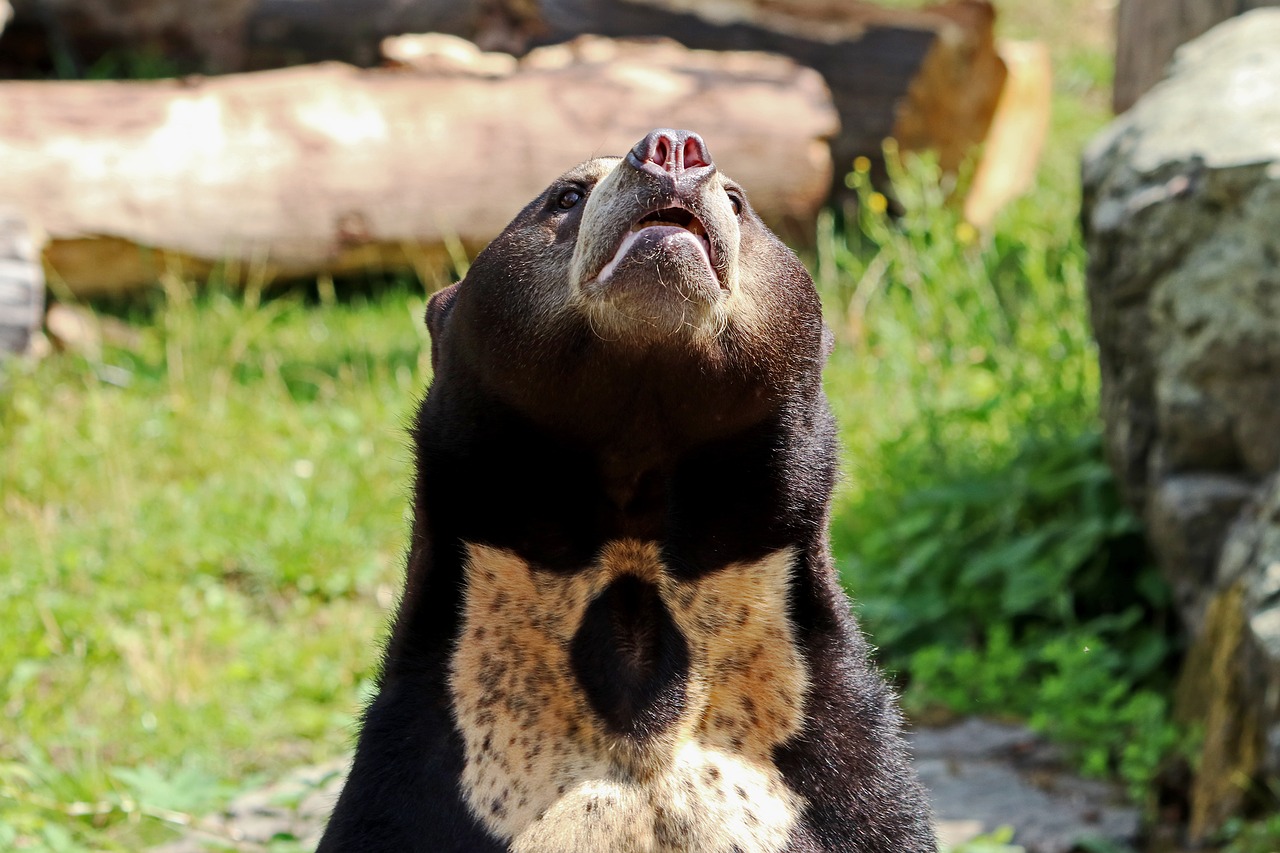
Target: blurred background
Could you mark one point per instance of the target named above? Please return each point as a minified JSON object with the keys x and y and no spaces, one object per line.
{"x":1047,"y":249}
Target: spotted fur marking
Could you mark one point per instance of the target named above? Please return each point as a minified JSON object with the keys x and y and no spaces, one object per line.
{"x":542,"y":771}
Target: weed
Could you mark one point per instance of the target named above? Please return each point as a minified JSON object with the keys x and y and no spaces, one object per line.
{"x":1257,"y":836}
{"x":982,"y":536}
{"x":1000,"y":841}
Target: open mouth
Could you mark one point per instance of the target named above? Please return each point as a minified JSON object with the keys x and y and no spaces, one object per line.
{"x":658,"y":226}
{"x":677,"y":217}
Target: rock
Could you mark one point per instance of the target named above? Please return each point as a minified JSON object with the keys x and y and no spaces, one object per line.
{"x":21,"y":282}
{"x":1187,"y":520}
{"x":296,"y":807}
{"x":983,"y":776}
{"x":1181,"y":201}
{"x":1230,"y":684}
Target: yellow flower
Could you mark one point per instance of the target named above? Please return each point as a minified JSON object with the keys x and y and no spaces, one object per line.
{"x":877,"y":202}
{"x":966,"y":233}
{"x":861,"y":164}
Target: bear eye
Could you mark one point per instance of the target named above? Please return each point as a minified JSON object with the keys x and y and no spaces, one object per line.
{"x":569,"y":198}
{"x":736,"y":201}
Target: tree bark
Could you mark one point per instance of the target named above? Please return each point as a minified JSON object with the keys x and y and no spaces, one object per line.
{"x":328,"y":169}
{"x":1149,"y":31}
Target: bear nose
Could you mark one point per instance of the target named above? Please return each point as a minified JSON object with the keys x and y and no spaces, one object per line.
{"x":670,"y":152}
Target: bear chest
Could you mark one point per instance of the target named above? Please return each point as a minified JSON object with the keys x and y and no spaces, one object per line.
{"x":619,"y":708}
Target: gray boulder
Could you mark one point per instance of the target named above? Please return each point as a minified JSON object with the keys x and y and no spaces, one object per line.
{"x":21,"y":282}
{"x":1181,"y":217}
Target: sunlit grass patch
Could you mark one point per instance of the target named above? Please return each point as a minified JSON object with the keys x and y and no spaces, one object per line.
{"x":202,"y":538}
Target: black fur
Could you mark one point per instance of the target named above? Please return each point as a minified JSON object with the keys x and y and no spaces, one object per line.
{"x":630,"y":659}
{"x":539,"y":437}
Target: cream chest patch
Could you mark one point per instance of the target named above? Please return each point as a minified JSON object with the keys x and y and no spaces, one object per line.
{"x":544,"y":773}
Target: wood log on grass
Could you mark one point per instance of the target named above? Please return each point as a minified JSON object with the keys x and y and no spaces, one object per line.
{"x":928,"y":77}
{"x":327,"y":169}
{"x":1011,"y":153}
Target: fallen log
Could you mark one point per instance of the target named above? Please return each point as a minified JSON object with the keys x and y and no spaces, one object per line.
{"x":327,"y":169}
{"x":1011,"y":153}
{"x":930,"y":78}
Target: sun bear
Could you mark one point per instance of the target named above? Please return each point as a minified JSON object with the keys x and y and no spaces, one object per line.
{"x":621,"y":628}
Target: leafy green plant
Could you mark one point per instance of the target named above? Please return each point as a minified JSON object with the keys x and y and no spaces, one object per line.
{"x":1256,"y":836}
{"x":982,"y":536}
{"x":144,"y":64}
{"x":999,"y":841}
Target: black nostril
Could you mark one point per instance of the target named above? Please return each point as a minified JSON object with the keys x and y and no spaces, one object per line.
{"x":670,"y":151}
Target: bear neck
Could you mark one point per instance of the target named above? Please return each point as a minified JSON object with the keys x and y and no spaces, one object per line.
{"x":488,"y":475}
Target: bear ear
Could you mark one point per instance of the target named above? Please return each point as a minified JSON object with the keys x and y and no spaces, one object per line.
{"x":438,"y":308}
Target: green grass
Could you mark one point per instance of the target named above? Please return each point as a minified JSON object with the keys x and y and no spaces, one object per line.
{"x":202,"y":539}
{"x":979,"y":528}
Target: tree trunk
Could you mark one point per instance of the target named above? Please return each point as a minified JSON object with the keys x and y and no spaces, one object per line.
{"x":328,"y":169}
{"x":1149,"y":31}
